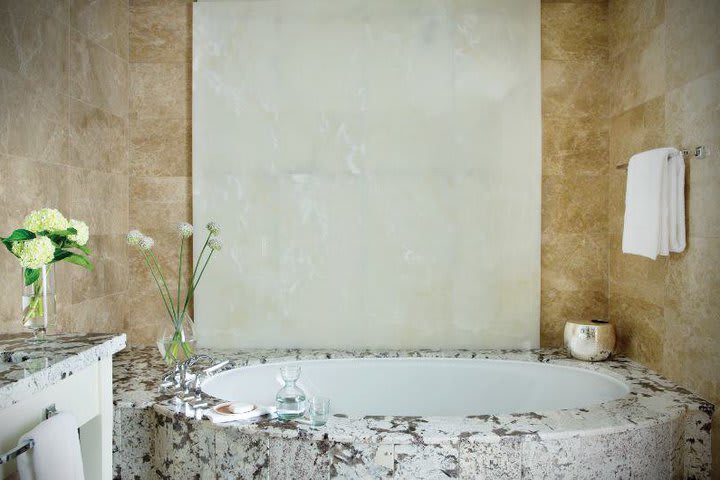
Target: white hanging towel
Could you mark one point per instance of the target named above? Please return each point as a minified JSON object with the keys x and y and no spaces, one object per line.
{"x":56,"y":454}
{"x":655,"y":203}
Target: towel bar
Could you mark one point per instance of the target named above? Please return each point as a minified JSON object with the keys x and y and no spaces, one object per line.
{"x":20,"y":449}
{"x":29,"y":443}
{"x":700,"y":152}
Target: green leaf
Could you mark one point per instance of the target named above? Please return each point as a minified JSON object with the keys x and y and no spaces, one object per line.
{"x":79,"y":260}
{"x":61,"y":254}
{"x":19,"y":235}
{"x":82,"y":248}
{"x":31,"y":275}
{"x":61,"y":233}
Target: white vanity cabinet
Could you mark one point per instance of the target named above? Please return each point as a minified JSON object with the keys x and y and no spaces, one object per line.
{"x":73,"y":373}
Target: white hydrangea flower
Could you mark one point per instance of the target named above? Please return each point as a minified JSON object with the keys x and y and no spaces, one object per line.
{"x":213,"y":228}
{"x":45,"y":219}
{"x":133,"y":237}
{"x":83,"y":232}
{"x":17,"y":248}
{"x":36,"y":252}
{"x":185,"y":229}
{"x":215,"y":244}
{"x":146,"y":243}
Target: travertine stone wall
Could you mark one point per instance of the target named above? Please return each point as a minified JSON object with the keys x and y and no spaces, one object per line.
{"x":160,"y":148}
{"x":665,"y":90}
{"x":64,"y":144}
{"x":575,"y":167}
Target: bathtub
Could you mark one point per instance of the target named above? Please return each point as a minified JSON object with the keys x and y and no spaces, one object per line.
{"x":427,"y":387}
{"x":435,"y":414}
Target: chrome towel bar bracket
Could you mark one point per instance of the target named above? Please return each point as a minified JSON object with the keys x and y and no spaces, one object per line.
{"x":27,"y":444}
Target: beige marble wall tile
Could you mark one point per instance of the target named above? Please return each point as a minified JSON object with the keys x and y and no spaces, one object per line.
{"x":693,"y":118}
{"x":26,"y":185}
{"x":573,"y":262}
{"x":161,"y":147}
{"x":574,"y":31}
{"x":97,"y":76}
{"x":44,"y":133}
{"x":32,"y":120}
{"x":153,"y":3}
{"x":100,"y":199}
{"x":104,"y":22}
{"x":635,"y":276}
{"x":161,"y":33}
{"x":59,"y":9}
{"x":616,"y":200}
{"x":97,"y":139}
{"x":102,"y":315}
{"x":576,"y":146}
{"x":574,"y":204}
{"x":574,"y":89}
{"x":160,"y":90}
{"x":153,"y":216}
{"x":110,"y":275}
{"x":638,"y":129}
{"x":693,"y":40}
{"x":628,"y":18}
{"x":692,"y":311}
{"x":637,"y":71}
{"x":33,"y":44}
{"x":640,"y":329}
{"x":161,"y":189}
{"x":559,"y":306}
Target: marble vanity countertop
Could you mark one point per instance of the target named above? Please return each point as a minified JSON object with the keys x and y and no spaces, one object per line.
{"x":652,"y":399}
{"x":27,"y":368}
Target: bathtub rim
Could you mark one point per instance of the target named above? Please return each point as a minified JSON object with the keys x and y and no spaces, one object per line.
{"x":652,"y":400}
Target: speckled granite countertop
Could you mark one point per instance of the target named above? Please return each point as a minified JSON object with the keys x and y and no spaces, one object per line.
{"x":27,"y":368}
{"x":652,"y":399}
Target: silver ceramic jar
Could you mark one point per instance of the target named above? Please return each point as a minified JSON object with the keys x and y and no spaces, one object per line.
{"x":592,"y":340}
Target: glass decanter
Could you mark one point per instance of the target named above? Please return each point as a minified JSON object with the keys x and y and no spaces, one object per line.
{"x":290,"y":400}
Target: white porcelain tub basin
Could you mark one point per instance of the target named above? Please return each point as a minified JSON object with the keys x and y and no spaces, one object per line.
{"x":425,"y":386}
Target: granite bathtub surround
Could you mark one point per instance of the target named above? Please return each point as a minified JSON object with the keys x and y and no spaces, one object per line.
{"x":64,"y":144}
{"x":659,"y":430}
{"x":27,"y":368}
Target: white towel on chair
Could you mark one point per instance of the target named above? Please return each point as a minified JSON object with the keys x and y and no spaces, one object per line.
{"x":655,"y":204}
{"x":56,"y":454}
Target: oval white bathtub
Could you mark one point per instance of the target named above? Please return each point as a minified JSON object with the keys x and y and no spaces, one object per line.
{"x":425,"y":386}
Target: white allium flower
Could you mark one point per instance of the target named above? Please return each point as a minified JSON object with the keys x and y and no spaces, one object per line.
{"x":213,"y":228}
{"x":215,"y":244}
{"x":45,"y":219}
{"x":133,"y":237}
{"x":146,"y":243}
{"x":185,"y":229}
{"x":36,"y":252}
{"x":83,"y":232}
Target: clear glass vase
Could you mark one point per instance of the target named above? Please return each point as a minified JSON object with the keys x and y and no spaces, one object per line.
{"x":176,"y":343}
{"x":39,"y":310}
{"x":290,"y":400}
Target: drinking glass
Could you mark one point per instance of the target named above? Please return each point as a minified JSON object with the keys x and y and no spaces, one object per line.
{"x":318,"y":411}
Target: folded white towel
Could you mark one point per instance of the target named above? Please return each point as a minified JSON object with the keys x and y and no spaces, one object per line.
{"x":655,"y":204}
{"x":222,"y":418}
{"x":56,"y":454}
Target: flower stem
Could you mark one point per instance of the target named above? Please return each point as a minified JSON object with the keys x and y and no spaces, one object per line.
{"x":167,"y":290}
{"x":196,"y":282}
{"x":162,"y":294}
{"x":177,"y":299}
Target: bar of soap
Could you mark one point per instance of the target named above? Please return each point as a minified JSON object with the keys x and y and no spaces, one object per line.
{"x":241,"y":407}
